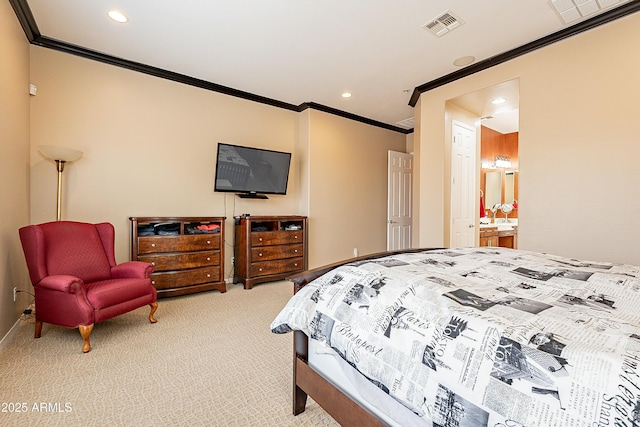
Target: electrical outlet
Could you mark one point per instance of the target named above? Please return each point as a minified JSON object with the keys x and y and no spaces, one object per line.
{"x":15,"y":293}
{"x":233,"y":261}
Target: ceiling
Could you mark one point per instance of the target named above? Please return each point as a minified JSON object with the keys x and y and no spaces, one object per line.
{"x":502,"y":117}
{"x":296,"y":52}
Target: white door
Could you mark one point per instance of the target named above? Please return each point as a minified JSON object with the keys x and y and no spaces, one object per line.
{"x":399,"y":203}
{"x":463,"y":185}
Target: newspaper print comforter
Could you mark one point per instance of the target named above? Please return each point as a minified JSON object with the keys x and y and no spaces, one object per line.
{"x":485,"y":336}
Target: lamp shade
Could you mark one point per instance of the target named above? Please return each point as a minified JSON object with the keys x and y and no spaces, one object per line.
{"x":64,"y":154}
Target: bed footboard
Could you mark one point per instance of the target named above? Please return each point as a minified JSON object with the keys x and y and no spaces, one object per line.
{"x":308,"y":382}
{"x":301,"y":279}
{"x":300,"y":354}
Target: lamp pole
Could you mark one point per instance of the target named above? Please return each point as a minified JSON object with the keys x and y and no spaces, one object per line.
{"x":60,"y":168}
{"x":60,"y":155}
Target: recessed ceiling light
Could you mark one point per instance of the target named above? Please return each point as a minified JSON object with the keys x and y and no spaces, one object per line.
{"x":498,"y":101}
{"x":346,"y":94}
{"x":464,"y":61}
{"x":117,"y":16}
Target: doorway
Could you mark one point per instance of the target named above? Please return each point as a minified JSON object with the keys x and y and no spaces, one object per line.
{"x":497,"y":111}
{"x":399,"y":200}
{"x":463,"y":185}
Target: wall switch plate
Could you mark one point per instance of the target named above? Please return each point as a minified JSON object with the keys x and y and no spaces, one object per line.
{"x":15,"y":293}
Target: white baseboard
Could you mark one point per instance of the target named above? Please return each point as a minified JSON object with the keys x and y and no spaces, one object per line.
{"x":4,"y":342}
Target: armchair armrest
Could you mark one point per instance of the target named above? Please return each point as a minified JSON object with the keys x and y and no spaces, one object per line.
{"x":62,"y":283}
{"x":132,"y":269}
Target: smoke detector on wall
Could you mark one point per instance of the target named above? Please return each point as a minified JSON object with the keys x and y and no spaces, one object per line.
{"x":443,"y":24}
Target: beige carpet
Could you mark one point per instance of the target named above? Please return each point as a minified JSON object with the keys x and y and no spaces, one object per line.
{"x":211,"y":360}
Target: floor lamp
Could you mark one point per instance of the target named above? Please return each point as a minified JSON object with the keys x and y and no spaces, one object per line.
{"x":60,"y":155}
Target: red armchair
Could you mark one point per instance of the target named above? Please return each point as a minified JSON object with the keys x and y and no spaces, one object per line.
{"x":75,"y":277}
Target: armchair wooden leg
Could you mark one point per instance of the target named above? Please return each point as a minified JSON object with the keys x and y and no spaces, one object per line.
{"x":38,"y":331}
{"x":85,"y":331}
{"x":154,"y":307}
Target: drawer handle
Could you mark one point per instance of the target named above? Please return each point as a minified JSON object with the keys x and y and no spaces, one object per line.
{"x":295,"y":237}
{"x":260,"y":254}
{"x":153,"y":282}
{"x":260,"y":239}
{"x":260,"y":270}
{"x":295,"y":265}
{"x":208,"y":275}
{"x":208,"y":242}
{"x":153,"y":263}
{"x":295,"y":250}
{"x":153,"y":245}
{"x":208,"y":259}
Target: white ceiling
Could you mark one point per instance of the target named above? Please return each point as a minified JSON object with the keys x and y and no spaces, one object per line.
{"x":297,"y":51}
{"x":503,"y":117}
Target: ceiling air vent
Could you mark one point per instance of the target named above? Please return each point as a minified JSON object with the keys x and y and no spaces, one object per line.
{"x":406,"y":123}
{"x":572,"y":10}
{"x":443,"y":24}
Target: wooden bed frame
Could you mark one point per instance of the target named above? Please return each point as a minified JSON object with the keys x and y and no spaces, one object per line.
{"x":307,"y":382}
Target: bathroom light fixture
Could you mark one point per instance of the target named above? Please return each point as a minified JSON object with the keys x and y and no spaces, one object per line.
{"x":503,"y":162}
{"x":117,"y":16}
{"x":499,"y":100}
{"x":346,"y":94}
{"x":60,"y":155}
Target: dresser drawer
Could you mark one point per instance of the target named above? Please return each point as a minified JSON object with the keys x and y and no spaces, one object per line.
{"x":276,"y":267}
{"x":267,"y":238}
{"x":182,"y":261}
{"x":155,"y":244}
{"x":176,"y":279}
{"x":265,"y":253}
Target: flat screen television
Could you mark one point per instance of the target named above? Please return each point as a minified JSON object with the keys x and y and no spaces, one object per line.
{"x":251,"y":172}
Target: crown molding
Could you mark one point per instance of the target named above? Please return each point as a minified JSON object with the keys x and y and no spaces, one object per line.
{"x":30,"y":28}
{"x":334,"y":111}
{"x":596,"y":21}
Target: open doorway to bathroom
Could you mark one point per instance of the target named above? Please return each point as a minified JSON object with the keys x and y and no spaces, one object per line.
{"x":497,"y":108}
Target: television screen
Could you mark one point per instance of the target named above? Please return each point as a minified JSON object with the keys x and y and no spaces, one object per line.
{"x":251,"y":171}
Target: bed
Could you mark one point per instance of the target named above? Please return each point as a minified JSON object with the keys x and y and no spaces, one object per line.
{"x":467,"y":337}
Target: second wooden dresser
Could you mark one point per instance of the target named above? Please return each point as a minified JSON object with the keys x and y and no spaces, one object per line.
{"x":269,"y":248}
{"x":187,"y":252}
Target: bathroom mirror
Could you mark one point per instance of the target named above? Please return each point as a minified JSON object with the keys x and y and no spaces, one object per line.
{"x":509,"y":186}
{"x":493,"y":189}
{"x":499,"y":186}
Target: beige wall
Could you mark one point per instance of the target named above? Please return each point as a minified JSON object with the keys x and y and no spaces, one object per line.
{"x":578,"y":145}
{"x":14,"y":173}
{"x":149,"y":150}
{"x":149,"y":146}
{"x":348,"y":187}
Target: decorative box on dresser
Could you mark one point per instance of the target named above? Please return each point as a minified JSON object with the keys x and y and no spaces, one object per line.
{"x":269,"y":248}
{"x":187,"y":252}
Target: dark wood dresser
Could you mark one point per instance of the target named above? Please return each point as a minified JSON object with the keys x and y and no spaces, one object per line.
{"x":269,"y":248}
{"x":187,"y":252}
